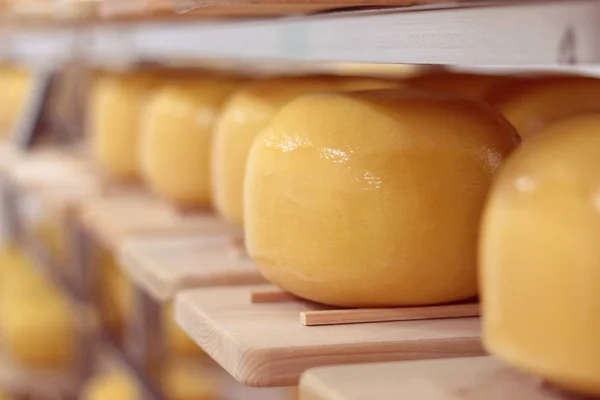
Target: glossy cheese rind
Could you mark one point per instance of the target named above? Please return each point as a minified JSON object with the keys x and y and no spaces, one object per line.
{"x":246,"y":115}
{"x":115,"y":109}
{"x":176,"y":139}
{"x":373,"y":198}
{"x":540,"y":258}
{"x":531,"y":105}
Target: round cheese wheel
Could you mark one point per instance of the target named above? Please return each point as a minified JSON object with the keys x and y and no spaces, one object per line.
{"x":116,"y":104}
{"x":15,"y":86}
{"x":117,"y":385}
{"x":38,"y":332}
{"x":540,"y":264}
{"x":374,"y":198}
{"x":243,"y":118}
{"x":176,"y":139}
{"x":530,"y":105}
{"x":478,"y":86}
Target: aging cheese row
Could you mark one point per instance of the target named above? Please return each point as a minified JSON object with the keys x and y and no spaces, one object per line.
{"x":359,"y":197}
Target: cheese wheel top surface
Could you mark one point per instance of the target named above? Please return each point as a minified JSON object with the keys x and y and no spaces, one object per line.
{"x":540,"y":264}
{"x":373,"y":198}
{"x":530,"y":105}
{"x":244,"y":117}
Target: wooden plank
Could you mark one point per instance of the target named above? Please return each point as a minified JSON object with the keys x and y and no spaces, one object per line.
{"x":116,"y":217}
{"x":265,"y":345}
{"x":364,"y":315}
{"x":165,"y":265}
{"x":477,"y":378}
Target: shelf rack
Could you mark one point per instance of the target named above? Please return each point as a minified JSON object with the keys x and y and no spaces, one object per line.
{"x":485,"y":32}
{"x":477,"y":378}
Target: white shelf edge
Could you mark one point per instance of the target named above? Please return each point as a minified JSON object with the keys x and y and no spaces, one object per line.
{"x":544,"y":33}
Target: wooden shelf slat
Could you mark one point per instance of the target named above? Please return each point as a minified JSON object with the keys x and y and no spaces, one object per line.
{"x":476,"y":378}
{"x":264,"y":344}
{"x":116,"y":217}
{"x":165,"y":265}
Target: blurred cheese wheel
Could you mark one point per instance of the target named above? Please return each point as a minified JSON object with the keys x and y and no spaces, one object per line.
{"x":177,"y":341}
{"x":540,"y":258}
{"x":117,"y":385}
{"x":177,"y":132}
{"x":534,"y":104}
{"x":183,"y":381}
{"x":246,"y":114}
{"x":38,"y":332}
{"x":476,"y":86}
{"x":114,"y":113}
{"x":368,"y":200}
{"x":15,"y":85}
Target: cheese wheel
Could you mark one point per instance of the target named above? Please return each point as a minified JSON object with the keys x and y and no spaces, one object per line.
{"x":38,"y":331}
{"x":183,"y":381}
{"x":540,"y":264}
{"x":366,"y":199}
{"x":116,"y":104}
{"x":176,"y":138}
{"x":15,"y":86}
{"x":478,"y":86}
{"x":534,"y":104}
{"x":245,"y":115}
{"x":117,"y":385}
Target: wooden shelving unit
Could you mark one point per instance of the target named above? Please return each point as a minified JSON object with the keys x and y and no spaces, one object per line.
{"x":261,"y":336}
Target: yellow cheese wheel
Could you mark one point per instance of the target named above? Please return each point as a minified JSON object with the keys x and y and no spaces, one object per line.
{"x":534,"y":104}
{"x":368,"y":200}
{"x":114,"y":113}
{"x":116,"y":385}
{"x":540,"y":264}
{"x":245,"y":115}
{"x":38,"y":331}
{"x":176,"y":138}
{"x":477,"y":86}
{"x":184,"y":381}
{"x":177,"y":341}
{"x":15,"y":86}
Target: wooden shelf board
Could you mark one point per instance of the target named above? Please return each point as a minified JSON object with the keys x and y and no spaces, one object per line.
{"x":163,"y":266}
{"x":113,"y":218}
{"x":265,"y":344}
{"x":476,"y":378}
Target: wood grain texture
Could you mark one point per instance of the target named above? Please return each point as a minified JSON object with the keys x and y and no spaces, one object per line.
{"x":165,"y":265}
{"x":477,"y":378}
{"x":364,"y":315}
{"x":266,"y":345}
{"x":113,"y":218}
